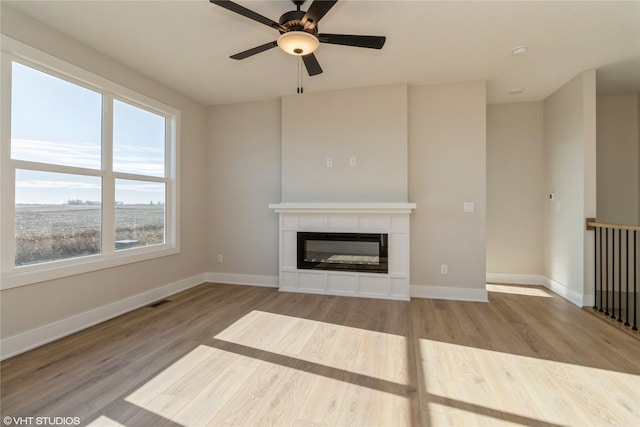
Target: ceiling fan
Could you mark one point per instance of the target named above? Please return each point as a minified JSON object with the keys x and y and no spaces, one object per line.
{"x":299,"y":34}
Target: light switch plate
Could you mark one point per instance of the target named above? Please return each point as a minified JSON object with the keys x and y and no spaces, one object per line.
{"x":469,"y":207}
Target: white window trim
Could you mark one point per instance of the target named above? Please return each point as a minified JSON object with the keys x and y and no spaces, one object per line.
{"x":11,"y":276}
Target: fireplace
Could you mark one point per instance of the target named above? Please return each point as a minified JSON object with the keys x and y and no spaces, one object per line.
{"x":351,"y":249}
{"x":359,"y":252}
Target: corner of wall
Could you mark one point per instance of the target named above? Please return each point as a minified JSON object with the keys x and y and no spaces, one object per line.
{"x":569,"y":159}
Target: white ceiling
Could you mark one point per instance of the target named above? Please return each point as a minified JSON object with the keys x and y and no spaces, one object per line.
{"x":186,"y":44}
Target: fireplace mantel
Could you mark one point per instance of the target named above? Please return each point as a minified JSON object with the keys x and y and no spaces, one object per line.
{"x":387,"y":218}
{"x":319,"y":207}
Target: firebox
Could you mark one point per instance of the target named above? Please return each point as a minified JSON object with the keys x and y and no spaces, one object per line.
{"x":360,"y":252}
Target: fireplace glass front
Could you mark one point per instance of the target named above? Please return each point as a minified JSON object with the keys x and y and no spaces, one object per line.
{"x":360,"y":252}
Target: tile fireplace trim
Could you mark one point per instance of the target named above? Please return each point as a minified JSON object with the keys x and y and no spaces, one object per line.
{"x":389,"y":218}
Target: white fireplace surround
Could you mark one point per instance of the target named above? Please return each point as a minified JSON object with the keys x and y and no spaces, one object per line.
{"x":383,"y":218}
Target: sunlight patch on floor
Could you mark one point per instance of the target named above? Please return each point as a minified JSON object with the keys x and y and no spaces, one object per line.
{"x":466,"y":385}
{"x":268,"y":368}
{"x":314,"y":341}
{"x":104,"y":421}
{"x":530,"y":291}
{"x":186,"y":391}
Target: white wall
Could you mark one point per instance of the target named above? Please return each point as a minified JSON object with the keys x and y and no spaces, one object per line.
{"x":244,"y":174}
{"x":515,"y":189}
{"x":41,"y":310}
{"x":570,"y":172}
{"x":447,"y":167}
{"x":617,"y":159}
{"x":369,"y":124}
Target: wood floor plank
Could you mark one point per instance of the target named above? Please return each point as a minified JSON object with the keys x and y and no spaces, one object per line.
{"x":330,"y":386}
{"x":218,"y":388}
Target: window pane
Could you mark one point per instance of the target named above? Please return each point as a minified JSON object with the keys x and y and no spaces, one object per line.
{"x":53,"y":120}
{"x":57,"y":216}
{"x":140,"y":213}
{"x":138,"y":140}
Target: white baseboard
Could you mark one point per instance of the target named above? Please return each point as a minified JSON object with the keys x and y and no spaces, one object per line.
{"x":449,"y":293}
{"x":243,"y":279}
{"x":565,"y":292}
{"x":539,"y":280}
{"x":33,"y":338}
{"x":533,"y":279}
{"x":516,"y":279}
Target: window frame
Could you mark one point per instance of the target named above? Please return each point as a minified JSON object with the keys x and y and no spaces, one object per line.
{"x":13,"y":276}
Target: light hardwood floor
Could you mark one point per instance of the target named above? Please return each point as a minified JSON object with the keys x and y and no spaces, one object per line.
{"x":230,"y":355}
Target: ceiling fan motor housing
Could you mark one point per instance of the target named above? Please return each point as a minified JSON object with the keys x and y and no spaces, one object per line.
{"x":292,"y":21}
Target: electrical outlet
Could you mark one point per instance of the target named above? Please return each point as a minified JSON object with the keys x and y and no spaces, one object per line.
{"x":353,"y":162}
{"x":444,"y":269}
{"x":329,"y":162}
{"x":220,"y":258}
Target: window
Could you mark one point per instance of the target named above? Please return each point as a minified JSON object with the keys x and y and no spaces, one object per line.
{"x":89,"y":168}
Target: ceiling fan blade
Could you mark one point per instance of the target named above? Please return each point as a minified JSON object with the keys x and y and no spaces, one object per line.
{"x":316,"y":11}
{"x":255,"y":50}
{"x":371,"y":42}
{"x":312,"y":64}
{"x":241,"y":10}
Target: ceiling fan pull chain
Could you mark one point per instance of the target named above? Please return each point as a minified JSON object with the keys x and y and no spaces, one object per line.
{"x":300,"y":88}
{"x":299,"y":79}
{"x":301,"y":68}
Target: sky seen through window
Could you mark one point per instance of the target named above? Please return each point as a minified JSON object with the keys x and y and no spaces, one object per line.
{"x":57,"y":122}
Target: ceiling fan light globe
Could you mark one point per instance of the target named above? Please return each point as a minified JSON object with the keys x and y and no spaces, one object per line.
{"x":298,"y":43}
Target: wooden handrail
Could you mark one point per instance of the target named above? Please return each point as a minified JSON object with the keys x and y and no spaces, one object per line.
{"x":592,"y":224}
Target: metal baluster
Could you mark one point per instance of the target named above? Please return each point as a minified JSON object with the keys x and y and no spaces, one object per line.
{"x":606,"y":271}
{"x":635,"y":281}
{"x":613,"y":274}
{"x":627,"y":277}
{"x":601,"y":272}
{"x":619,"y":277}
{"x":597,"y":256}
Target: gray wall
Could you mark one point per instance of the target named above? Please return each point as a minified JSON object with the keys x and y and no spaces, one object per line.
{"x":617,"y":154}
{"x":447,"y":146}
{"x":244,"y":177}
{"x":515,"y":190}
{"x":369,"y":124}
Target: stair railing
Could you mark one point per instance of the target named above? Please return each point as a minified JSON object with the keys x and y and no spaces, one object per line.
{"x":616,"y":271}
